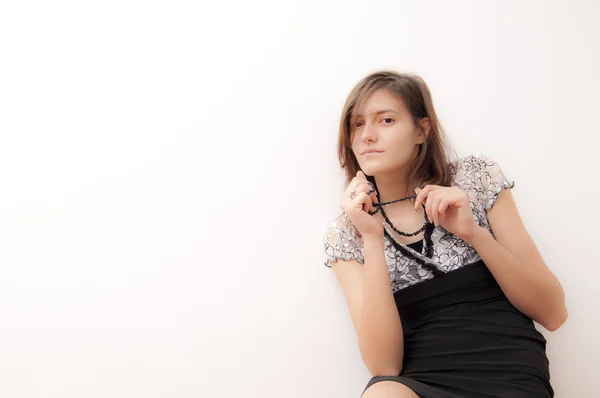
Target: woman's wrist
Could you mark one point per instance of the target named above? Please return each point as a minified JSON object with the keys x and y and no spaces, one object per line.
{"x":477,"y":236}
{"x":373,"y":240}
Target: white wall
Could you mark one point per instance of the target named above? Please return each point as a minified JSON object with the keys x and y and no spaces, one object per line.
{"x":168,"y":170}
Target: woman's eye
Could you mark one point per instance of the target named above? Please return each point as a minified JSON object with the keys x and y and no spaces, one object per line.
{"x":388,"y":120}
{"x":357,"y":124}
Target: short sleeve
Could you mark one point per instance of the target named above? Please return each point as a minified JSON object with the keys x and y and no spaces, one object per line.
{"x":342,"y":241}
{"x":489,"y":181}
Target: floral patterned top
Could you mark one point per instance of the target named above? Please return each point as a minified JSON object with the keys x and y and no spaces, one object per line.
{"x":480,"y":177}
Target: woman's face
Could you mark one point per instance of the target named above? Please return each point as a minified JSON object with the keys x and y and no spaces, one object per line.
{"x":383,"y":123}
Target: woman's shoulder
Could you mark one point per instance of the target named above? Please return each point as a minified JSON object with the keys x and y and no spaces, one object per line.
{"x":482,"y":176}
{"x":342,"y":240}
{"x":472,"y":164}
{"x":342,"y":228}
{"x":476,"y":168}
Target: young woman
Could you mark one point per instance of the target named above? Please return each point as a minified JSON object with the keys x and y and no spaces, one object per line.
{"x":443,"y":283}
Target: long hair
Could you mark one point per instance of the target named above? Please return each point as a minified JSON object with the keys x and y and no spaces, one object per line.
{"x":431,"y":166}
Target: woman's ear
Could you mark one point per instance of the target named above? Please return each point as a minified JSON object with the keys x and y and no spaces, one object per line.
{"x":423,"y":130}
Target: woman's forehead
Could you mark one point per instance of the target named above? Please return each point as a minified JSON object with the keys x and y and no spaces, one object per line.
{"x":380,"y":101}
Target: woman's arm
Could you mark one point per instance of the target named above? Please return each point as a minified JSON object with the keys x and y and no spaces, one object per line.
{"x":373,"y":309}
{"x":517,"y":265}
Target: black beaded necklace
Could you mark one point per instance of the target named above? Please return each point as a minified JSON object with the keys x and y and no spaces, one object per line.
{"x":428,"y":227}
{"x":379,"y":207}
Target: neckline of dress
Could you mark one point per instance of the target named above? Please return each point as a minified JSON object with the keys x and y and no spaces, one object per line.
{"x":417,"y":254}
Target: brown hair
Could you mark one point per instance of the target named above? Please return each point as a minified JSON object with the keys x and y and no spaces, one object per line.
{"x":431,"y":165}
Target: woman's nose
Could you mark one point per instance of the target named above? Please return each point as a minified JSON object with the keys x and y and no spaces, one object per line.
{"x":368,"y":132}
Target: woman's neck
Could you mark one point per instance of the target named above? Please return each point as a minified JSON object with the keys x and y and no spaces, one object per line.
{"x":392,"y":186}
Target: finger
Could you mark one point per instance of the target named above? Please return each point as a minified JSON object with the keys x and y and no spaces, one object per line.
{"x":423,"y":193}
{"x":368,"y":204}
{"x":360,"y":181}
{"x":374,"y":203}
{"x":447,"y":199}
{"x":365,"y":186}
{"x":360,"y":175}
{"x":372,"y":198}
{"x":462,"y":198}
{"x":444,"y":203}
{"x":428,"y":202}
{"x":355,"y":185}
{"x":435,"y":214}
{"x":421,"y":196}
{"x":358,"y":186}
{"x":362,"y":202}
{"x":372,"y":192}
{"x":348,"y":202}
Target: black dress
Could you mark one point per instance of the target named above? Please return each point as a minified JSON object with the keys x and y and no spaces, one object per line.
{"x":463,"y":338}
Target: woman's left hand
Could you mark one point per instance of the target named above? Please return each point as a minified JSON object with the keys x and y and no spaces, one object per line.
{"x":449,"y":207}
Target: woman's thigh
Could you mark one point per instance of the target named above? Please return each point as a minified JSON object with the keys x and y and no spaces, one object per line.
{"x":389,"y":389}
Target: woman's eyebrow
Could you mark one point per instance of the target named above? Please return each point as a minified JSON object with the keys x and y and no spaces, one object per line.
{"x":381,"y":112}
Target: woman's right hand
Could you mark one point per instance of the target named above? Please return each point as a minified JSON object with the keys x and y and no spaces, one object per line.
{"x":357,"y":209}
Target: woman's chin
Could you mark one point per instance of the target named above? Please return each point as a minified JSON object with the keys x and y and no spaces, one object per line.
{"x":373,"y":170}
